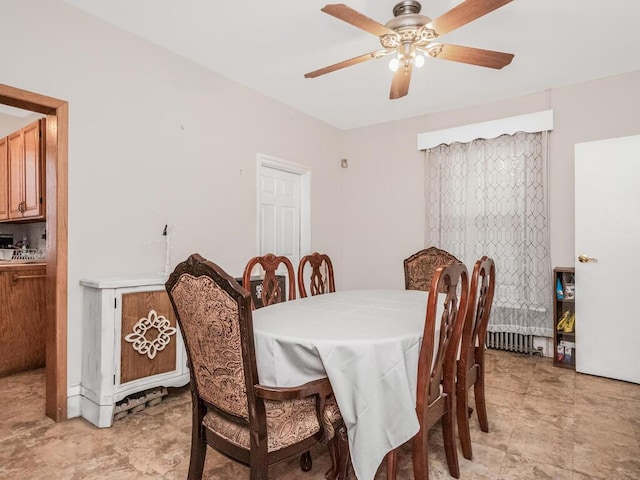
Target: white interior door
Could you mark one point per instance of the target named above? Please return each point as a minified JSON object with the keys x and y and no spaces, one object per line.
{"x":607,"y":228}
{"x":280,"y":207}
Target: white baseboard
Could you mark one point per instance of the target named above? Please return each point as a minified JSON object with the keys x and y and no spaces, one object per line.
{"x":100,"y":415}
{"x":73,"y":401}
{"x":547,"y":345}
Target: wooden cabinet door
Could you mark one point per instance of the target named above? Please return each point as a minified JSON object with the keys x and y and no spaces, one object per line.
{"x":24,"y":150}
{"x":22,"y":320}
{"x":16,"y":174}
{"x":31,"y":170}
{"x":149,"y":308}
{"x":4,"y":179}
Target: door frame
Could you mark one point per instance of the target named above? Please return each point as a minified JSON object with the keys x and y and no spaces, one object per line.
{"x":304,"y":171}
{"x":56,"y":191}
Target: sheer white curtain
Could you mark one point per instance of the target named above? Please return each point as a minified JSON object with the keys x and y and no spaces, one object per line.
{"x":489,"y":197}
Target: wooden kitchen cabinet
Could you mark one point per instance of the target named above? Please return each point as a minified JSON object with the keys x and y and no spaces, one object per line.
{"x":122,"y":318}
{"x":25,"y":158}
{"x":4,"y":179}
{"x":22,"y":318}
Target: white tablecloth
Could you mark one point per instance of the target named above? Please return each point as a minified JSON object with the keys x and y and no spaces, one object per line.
{"x":367,"y":343}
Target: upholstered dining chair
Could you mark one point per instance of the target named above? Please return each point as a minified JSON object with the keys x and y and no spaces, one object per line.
{"x":420,"y":267}
{"x":435,"y":391}
{"x":232,"y":412}
{"x":321,"y":279}
{"x":271,"y":292}
{"x":471,"y":368}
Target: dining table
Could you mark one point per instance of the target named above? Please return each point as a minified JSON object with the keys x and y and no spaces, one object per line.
{"x":367,"y":343}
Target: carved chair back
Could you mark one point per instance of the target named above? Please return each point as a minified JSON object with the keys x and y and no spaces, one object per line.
{"x":471,"y":368}
{"x":477,"y":319}
{"x":420,"y":267}
{"x":321,"y":279}
{"x":436,"y":363}
{"x":214,"y":314}
{"x":271,"y":292}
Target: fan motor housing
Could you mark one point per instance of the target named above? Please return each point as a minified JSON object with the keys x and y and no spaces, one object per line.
{"x":409,"y":25}
{"x":407,"y":15}
{"x":407,"y":6}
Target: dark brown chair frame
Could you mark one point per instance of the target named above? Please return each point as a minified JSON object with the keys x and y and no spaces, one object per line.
{"x":271,"y":292}
{"x":420,"y":267}
{"x":317,"y":281}
{"x":435,"y":393}
{"x":339,"y":445}
{"x":257,"y":457}
{"x":338,"y":450}
{"x":471,"y":363}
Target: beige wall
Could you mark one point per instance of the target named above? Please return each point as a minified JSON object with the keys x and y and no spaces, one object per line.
{"x":383,"y":207}
{"x":156,"y":139}
{"x":383,"y":221}
{"x":11,"y":123}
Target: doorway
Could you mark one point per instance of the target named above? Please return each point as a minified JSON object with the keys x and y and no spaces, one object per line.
{"x":56,"y":191}
{"x":284,"y":203}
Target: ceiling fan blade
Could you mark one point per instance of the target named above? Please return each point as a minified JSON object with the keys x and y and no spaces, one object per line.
{"x":466,"y":12}
{"x":474,"y":56}
{"x":357,"y":19}
{"x":347,"y":63}
{"x":400,"y":82}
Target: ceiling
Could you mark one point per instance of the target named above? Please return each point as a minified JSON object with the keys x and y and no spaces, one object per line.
{"x":14,"y":112}
{"x":269,"y":45}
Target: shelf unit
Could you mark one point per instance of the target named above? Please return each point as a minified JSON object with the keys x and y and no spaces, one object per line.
{"x":564,"y":304}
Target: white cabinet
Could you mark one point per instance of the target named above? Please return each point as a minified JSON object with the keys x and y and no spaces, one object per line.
{"x":130,"y":343}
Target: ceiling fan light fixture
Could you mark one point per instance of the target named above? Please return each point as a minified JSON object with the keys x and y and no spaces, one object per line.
{"x":434,"y":50}
{"x":411,"y":36}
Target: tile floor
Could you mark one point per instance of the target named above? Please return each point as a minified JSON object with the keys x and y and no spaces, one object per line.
{"x":545,"y":423}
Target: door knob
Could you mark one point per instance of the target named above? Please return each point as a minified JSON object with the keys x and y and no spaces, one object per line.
{"x":585,"y":258}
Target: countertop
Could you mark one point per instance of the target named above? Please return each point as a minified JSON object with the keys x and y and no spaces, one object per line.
{"x":12,"y":265}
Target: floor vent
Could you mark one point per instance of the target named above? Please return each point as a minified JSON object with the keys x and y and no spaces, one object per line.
{"x":512,"y":342}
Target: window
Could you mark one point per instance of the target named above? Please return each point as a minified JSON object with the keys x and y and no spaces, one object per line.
{"x":489,"y":197}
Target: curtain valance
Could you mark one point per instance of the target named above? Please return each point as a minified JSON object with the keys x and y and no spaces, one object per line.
{"x":529,"y":123}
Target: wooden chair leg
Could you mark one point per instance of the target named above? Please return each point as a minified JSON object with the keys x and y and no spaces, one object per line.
{"x":344,"y":455}
{"x":198,"y":442}
{"x":391,"y":457}
{"x":306,"y":463}
{"x":340,"y":456}
{"x":259,"y":468}
{"x":420,"y":455}
{"x":333,"y":447}
{"x":462,"y":413}
{"x":481,"y":406}
{"x":450,"y":450}
{"x":198,"y":454}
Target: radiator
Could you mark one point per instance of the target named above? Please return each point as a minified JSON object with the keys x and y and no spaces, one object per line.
{"x":513,"y":342}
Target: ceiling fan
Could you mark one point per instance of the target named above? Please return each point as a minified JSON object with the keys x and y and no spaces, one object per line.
{"x":412,"y":36}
